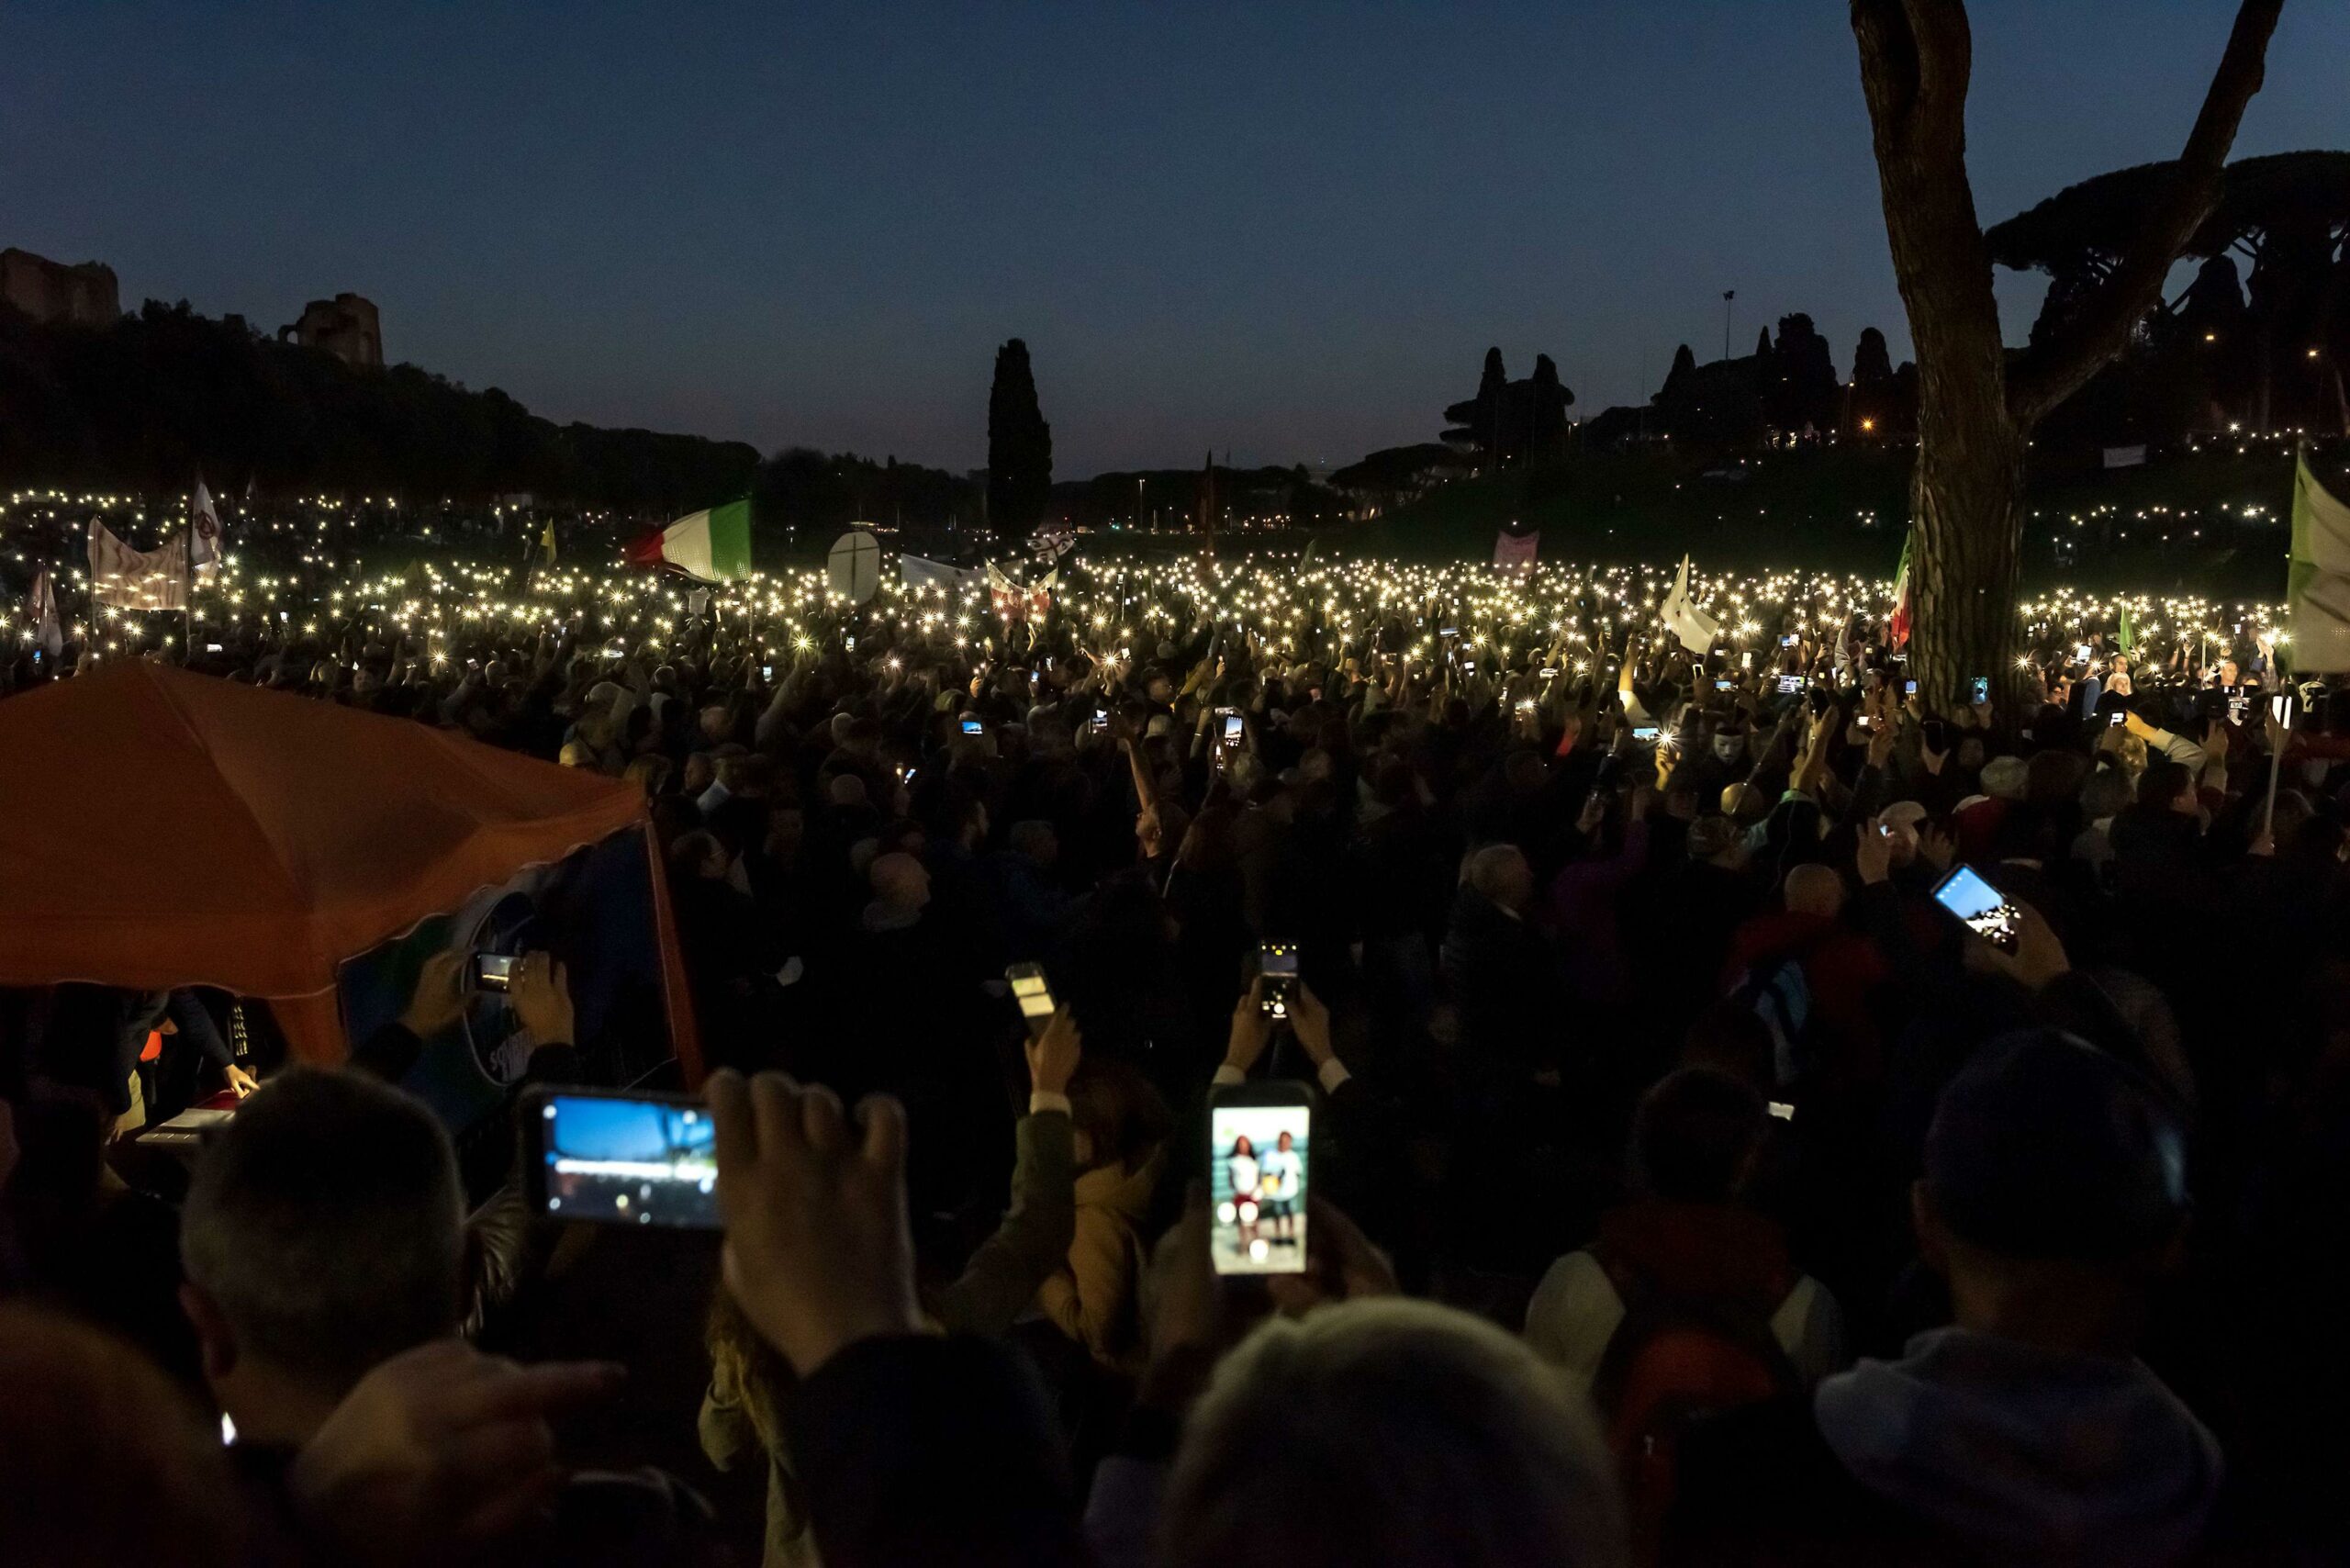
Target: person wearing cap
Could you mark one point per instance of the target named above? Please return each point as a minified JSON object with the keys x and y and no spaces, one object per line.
{"x":2026,"y":1430}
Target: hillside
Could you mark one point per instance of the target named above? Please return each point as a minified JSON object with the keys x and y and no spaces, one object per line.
{"x":1844,"y":509}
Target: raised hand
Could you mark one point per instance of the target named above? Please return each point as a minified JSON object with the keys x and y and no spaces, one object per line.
{"x":819,"y":1253}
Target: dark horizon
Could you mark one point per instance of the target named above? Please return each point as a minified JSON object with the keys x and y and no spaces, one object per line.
{"x":1288,"y":237}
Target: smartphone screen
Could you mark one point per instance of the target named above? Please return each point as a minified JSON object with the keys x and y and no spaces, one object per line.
{"x":624,"y":1159}
{"x":767,"y":672}
{"x":1645,"y":734}
{"x":493,"y":971}
{"x":2116,"y":719}
{"x":1232,"y":728}
{"x":850,"y":640}
{"x":211,"y":647}
{"x":1259,"y":1136}
{"x":1982,"y":690}
{"x":1788,"y":640}
{"x":972,"y":726}
{"x":1789,"y":685}
{"x":1908,"y":689}
{"x":1277,"y":962}
{"x":1036,"y":998}
{"x":1724,"y":685}
{"x":1980,"y":907}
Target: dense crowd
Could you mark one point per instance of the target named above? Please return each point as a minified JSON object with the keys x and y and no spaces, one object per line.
{"x":1687,"y":1184}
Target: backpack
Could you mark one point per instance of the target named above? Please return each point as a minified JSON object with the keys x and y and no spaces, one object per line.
{"x":1675,"y":1360}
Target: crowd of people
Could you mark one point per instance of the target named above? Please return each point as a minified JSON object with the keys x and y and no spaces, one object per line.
{"x":1687,"y":1184}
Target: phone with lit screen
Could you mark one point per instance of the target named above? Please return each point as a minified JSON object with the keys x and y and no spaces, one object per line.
{"x":1034,"y":997}
{"x":620,"y":1159}
{"x":1259,"y":1142}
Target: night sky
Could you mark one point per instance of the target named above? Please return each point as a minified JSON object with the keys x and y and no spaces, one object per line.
{"x":1287,"y":230}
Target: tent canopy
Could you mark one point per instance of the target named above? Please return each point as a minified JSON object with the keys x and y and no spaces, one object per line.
{"x":159,"y":828}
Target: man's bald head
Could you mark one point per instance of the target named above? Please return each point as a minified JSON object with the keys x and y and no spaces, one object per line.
{"x":1815,"y":889}
{"x":1500,"y":872}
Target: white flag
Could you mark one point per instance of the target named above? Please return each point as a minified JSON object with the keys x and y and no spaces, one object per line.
{"x":204,"y":534}
{"x":47,"y":635}
{"x":2318,"y":587}
{"x":138,"y":579}
{"x":1696,"y":629}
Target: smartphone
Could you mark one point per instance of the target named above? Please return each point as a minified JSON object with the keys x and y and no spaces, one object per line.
{"x":493,"y":971}
{"x":1548,"y":674}
{"x":1232,"y":726}
{"x":1979,"y":906}
{"x":1644,"y":733}
{"x":211,"y":647}
{"x":973,"y":727}
{"x":1788,"y":640}
{"x":1908,"y":689}
{"x":1981,"y":689}
{"x":2081,"y":652}
{"x":767,"y":672}
{"x":1936,"y":734}
{"x":1277,"y":962}
{"x":2118,"y":718}
{"x":1450,"y":631}
{"x":1100,"y":717}
{"x":850,"y":642}
{"x":620,"y":1159}
{"x":1259,"y":1138}
{"x":1789,"y":685}
{"x":1036,"y":998}
{"x":1724,"y":685}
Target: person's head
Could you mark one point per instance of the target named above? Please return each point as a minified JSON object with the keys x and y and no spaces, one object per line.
{"x":1242,"y":1148}
{"x":700,"y":772}
{"x":698,"y":854}
{"x":1119,"y":1117}
{"x":1036,"y":839}
{"x":1812,"y":889}
{"x":1694,"y":1134}
{"x":2229,"y":674}
{"x":2054,"y":1190}
{"x":323,"y":1234}
{"x":2166,"y":784}
{"x":717,"y":722}
{"x":2104,"y":793}
{"x":1500,"y":872}
{"x":1389,"y":1430}
{"x":649,"y":773}
{"x":1285,"y":1141}
{"x":107,"y":1462}
{"x":900,"y":881}
{"x":2006,"y":778}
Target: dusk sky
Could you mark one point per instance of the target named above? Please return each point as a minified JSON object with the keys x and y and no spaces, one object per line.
{"x":1289,"y":230}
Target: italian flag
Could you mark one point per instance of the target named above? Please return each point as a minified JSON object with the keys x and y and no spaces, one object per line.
{"x":1897,"y":625}
{"x":714,"y":546}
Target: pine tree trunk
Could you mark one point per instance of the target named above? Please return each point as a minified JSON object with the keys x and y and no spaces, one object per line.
{"x":1966,"y":518}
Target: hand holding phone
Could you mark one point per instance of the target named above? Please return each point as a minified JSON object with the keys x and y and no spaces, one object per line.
{"x":1979,"y":906}
{"x":1277,"y":975}
{"x":1035,"y":999}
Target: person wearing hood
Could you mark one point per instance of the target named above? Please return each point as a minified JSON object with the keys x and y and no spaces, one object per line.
{"x":2026,"y":1431}
{"x":1122,"y":1129}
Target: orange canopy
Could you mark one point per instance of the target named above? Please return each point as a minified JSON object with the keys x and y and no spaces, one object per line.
{"x":159,"y":828}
